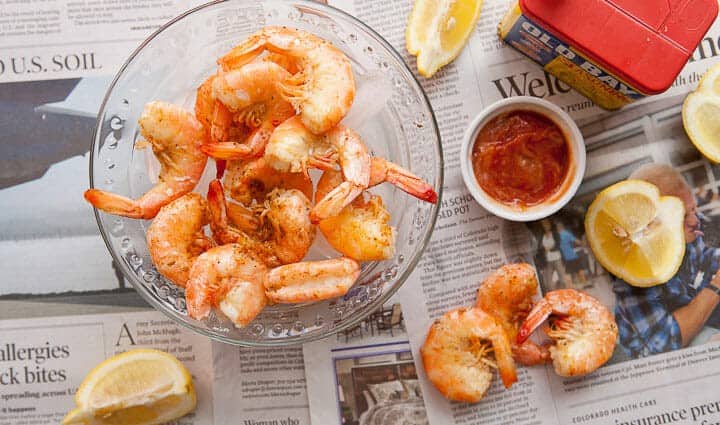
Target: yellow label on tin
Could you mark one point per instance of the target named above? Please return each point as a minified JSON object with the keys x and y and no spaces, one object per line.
{"x":586,"y":84}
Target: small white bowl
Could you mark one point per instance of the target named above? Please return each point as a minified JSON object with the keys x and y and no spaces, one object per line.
{"x":572,"y":180}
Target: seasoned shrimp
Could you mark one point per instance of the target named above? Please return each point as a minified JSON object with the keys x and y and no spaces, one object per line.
{"x":248,"y":181}
{"x":251,"y":93}
{"x":216,"y":117}
{"x":311,"y":280}
{"x":175,"y":237}
{"x":456,"y":354}
{"x":228,"y":277}
{"x":362,"y":230}
{"x":292,"y":148}
{"x":324,"y":88}
{"x":507,"y":294}
{"x":279,"y":230}
{"x":231,"y":278}
{"x":584,"y":331}
{"x":176,"y":137}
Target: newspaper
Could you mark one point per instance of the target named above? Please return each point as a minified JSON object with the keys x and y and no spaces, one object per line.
{"x":640,"y":384}
{"x":365,"y":374}
{"x":260,"y":386}
{"x":56,"y":60}
{"x":43,"y":361}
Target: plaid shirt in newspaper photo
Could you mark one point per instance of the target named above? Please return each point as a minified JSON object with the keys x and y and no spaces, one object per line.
{"x":644,"y":315}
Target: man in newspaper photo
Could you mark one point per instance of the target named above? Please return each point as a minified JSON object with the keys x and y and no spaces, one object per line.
{"x":669,"y":316}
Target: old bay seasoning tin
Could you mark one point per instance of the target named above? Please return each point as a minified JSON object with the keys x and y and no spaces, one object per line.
{"x":612,"y":51}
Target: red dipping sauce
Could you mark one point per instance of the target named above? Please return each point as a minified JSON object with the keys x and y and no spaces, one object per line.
{"x":521,"y":158}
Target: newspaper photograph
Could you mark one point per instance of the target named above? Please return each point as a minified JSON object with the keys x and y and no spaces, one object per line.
{"x":43,"y":361}
{"x":368,"y":373}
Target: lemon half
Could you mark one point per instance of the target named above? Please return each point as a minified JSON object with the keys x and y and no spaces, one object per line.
{"x":701,"y":118}
{"x":701,"y":115}
{"x":138,"y":387}
{"x":438,"y":30}
{"x":636,"y":234}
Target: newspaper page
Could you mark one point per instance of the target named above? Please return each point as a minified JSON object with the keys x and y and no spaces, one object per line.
{"x":366,"y":374}
{"x":43,"y":361}
{"x":259,"y":386}
{"x":57,"y":59}
{"x":51,"y":39}
{"x":468,"y":242}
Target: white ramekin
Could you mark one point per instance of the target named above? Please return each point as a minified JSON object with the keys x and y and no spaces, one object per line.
{"x":572,"y":179}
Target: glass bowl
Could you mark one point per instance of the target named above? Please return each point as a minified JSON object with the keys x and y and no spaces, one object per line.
{"x":391,"y":113}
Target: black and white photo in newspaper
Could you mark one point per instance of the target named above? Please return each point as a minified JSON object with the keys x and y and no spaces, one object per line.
{"x":57,"y":60}
{"x":366,"y":375}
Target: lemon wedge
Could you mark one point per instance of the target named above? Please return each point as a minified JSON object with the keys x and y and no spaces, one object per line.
{"x":438,"y":30}
{"x":138,"y":387}
{"x":636,"y":234}
{"x":710,"y":82}
{"x":701,"y":119}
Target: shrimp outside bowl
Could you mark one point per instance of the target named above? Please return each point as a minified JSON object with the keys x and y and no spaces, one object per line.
{"x":390,"y":114}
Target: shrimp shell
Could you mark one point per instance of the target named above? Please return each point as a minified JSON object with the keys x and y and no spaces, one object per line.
{"x":582,"y":328}
{"x":455,"y":354}
{"x":507,"y":294}
{"x":311,"y":280}
{"x":322,"y":91}
{"x":175,"y":237}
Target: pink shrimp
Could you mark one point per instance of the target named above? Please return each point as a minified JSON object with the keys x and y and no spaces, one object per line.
{"x":176,"y":137}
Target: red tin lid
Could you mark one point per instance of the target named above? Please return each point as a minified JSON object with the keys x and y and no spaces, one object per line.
{"x":644,"y":42}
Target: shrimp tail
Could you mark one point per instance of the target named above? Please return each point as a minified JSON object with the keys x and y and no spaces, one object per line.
{"x":530,"y":354}
{"x":116,"y":204}
{"x":535,"y":318}
{"x":382,"y":170}
{"x":221,"y":122}
{"x":324,"y":161}
{"x":231,"y":150}
{"x":335,"y":201}
{"x":243,"y":53}
{"x":242,"y":217}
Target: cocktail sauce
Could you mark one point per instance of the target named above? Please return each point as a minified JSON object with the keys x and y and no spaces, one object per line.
{"x":521,"y":158}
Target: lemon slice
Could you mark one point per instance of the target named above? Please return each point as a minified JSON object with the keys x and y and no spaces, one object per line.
{"x":437,"y":31}
{"x":701,"y":119}
{"x":636,"y":234}
{"x":710,"y":82}
{"x":138,"y":387}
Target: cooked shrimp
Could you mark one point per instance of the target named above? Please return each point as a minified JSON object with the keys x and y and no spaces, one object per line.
{"x":251,"y":93}
{"x":292,"y":147}
{"x":311,"y":280}
{"x":176,"y":137}
{"x":362,"y":230}
{"x":228,"y":277}
{"x":279,"y":230}
{"x":324,"y":88}
{"x":175,"y":237}
{"x":248,"y":181}
{"x":231,"y":278}
{"x":456,"y":354}
{"x":507,"y":294}
{"x":584,"y":331}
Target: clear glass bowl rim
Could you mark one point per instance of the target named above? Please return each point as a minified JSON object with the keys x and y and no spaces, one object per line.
{"x":302,"y":338}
